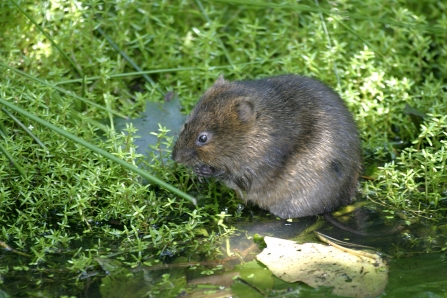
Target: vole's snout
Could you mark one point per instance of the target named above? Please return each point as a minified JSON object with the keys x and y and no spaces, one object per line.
{"x":174,"y":155}
{"x":185,"y":156}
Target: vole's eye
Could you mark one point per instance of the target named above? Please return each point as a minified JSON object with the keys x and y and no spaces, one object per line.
{"x":204,"y":138}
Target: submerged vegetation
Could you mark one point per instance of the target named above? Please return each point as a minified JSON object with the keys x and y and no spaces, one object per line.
{"x":59,"y":200}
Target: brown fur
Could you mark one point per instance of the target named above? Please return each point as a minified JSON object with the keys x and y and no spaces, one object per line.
{"x":286,"y":143}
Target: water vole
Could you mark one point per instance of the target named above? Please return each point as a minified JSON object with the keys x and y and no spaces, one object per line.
{"x":286,"y":143}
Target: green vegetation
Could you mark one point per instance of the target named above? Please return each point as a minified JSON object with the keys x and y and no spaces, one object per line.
{"x":60,"y":198}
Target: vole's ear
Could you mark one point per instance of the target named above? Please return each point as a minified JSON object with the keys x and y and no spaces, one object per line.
{"x":246,"y":110}
{"x":220,"y":80}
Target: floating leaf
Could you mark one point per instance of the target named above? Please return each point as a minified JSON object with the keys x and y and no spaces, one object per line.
{"x":350,"y":274}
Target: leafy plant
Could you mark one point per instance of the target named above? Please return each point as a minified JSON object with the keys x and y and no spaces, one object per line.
{"x":72,"y":64}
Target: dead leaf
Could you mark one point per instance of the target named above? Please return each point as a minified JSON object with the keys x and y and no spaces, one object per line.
{"x":315,"y":264}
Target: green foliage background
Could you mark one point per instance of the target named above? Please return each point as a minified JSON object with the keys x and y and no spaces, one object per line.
{"x":379,"y":55}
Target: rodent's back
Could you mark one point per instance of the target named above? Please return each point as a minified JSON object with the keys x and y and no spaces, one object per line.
{"x":287,"y":143}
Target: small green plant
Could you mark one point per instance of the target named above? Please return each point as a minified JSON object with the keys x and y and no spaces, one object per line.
{"x":416,"y":181}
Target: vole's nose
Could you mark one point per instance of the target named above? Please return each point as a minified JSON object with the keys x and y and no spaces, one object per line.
{"x":174,"y":155}
{"x":184,"y":156}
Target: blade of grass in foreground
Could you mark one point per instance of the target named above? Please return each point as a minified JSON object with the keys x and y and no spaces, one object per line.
{"x":99,"y":151}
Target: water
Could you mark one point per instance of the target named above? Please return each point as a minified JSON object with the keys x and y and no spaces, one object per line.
{"x":412,"y":271}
